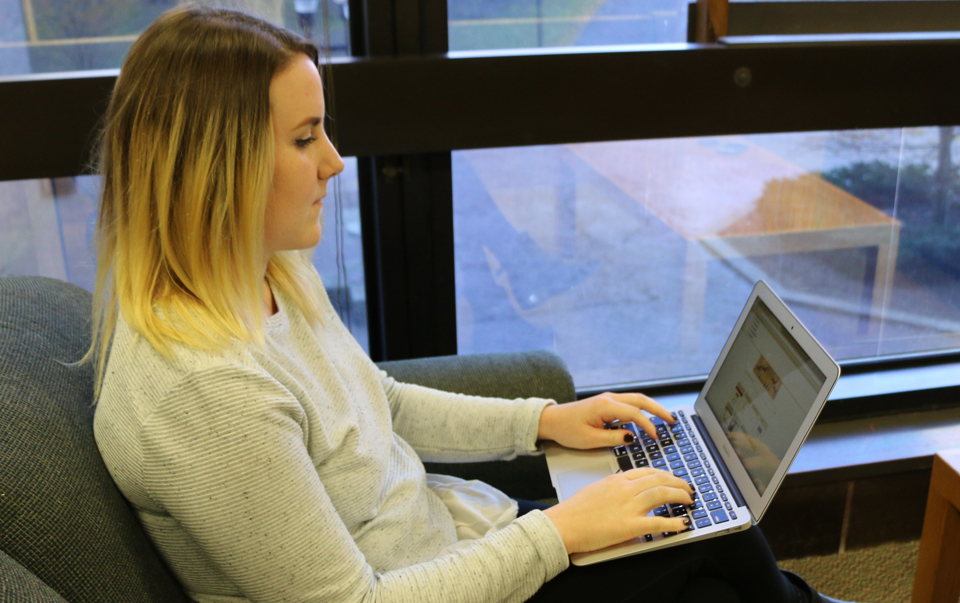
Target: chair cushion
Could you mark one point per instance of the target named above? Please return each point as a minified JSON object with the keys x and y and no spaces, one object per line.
{"x":18,"y":585}
{"x":61,"y":516}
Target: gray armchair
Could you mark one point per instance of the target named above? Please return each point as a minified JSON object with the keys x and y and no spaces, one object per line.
{"x":66,"y":532}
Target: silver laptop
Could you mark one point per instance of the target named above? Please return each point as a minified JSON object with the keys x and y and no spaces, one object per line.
{"x":735,"y":444}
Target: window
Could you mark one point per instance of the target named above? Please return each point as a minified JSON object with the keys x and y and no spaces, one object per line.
{"x":42,"y":36}
{"x":46,"y":227}
{"x":632,"y":259}
{"x":552,"y":23}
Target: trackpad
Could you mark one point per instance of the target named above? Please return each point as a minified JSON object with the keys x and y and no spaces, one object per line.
{"x":570,"y":482}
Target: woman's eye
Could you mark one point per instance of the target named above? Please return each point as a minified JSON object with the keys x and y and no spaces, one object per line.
{"x":303,"y":142}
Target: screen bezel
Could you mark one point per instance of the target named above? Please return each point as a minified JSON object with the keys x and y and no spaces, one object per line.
{"x":756,"y":502}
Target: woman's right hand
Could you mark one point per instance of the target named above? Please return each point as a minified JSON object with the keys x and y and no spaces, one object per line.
{"x":614,"y":509}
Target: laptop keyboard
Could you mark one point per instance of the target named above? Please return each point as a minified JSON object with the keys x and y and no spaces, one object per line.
{"x":677,"y":449}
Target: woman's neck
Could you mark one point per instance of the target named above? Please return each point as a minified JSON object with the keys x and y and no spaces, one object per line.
{"x":269,"y":303}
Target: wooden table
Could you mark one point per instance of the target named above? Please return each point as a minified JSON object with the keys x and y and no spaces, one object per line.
{"x":729,"y":198}
{"x":938,"y":567}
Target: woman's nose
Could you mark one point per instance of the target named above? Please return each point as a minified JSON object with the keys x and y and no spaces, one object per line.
{"x":330,"y":162}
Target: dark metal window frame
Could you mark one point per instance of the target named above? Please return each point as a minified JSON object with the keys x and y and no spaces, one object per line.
{"x":403,"y":104}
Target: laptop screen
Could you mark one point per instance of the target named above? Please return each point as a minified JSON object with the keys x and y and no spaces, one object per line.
{"x":763,"y":392}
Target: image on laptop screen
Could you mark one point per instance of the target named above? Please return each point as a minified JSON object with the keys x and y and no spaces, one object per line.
{"x":762,"y":393}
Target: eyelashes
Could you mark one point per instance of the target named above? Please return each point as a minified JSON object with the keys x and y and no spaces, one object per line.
{"x":305,"y":142}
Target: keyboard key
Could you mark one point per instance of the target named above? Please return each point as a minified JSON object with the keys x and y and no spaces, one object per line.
{"x":666,"y":442}
{"x":710,"y":496}
{"x":619,"y":451}
{"x":727,"y":505}
{"x":706,"y":464}
{"x":639,"y":456}
{"x":716,"y":481}
{"x":713,"y":505}
{"x":696,"y":442}
{"x":657,"y":463}
{"x":703,"y":456}
{"x":703,"y":479}
{"x":656,"y":454}
{"x":733,"y":515}
{"x":687,"y":479}
{"x":653,"y":448}
{"x":723,"y":497}
{"x":669,"y":449}
{"x":673,"y":457}
{"x":711,"y":472}
{"x":668,"y":534}
{"x":719,"y":516}
{"x":699,"y":514}
{"x":661,"y":511}
{"x":624,"y":462}
{"x":704,"y":523}
{"x":693,"y":464}
{"x":686,"y":450}
{"x":719,"y":488}
{"x":680,"y":472}
{"x":635,"y":447}
{"x":705,"y":488}
{"x":683,"y":442}
{"x":696,"y":472}
{"x":699,"y":449}
{"x":676,"y":464}
{"x":690,"y":457}
{"x":648,"y":537}
{"x":641,"y":464}
{"x":674,"y":415}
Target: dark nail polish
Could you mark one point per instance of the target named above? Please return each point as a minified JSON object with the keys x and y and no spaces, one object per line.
{"x":628,"y":438}
{"x":686,"y":521}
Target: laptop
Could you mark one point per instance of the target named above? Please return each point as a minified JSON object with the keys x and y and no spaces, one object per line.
{"x":735,"y":444}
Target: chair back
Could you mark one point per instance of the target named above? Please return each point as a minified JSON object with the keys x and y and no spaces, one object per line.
{"x":61,"y":516}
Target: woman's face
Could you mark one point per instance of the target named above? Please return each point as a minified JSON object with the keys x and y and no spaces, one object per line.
{"x":305,"y":160}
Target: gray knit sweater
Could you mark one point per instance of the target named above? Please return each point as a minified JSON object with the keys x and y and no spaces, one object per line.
{"x":294,"y":473}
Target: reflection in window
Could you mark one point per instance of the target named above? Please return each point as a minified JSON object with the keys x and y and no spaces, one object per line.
{"x":633,"y":259}
{"x":46,"y":228}
{"x":43,"y":36}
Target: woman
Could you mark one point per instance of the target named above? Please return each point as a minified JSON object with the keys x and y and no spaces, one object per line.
{"x":265,"y":455}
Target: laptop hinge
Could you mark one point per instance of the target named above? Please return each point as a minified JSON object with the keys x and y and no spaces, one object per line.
{"x":721,"y":467}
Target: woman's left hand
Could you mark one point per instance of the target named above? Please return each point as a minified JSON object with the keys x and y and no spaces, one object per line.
{"x":581,"y":424}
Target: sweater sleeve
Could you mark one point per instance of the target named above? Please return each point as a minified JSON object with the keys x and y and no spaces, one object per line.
{"x":225,"y":455}
{"x":445,"y":427}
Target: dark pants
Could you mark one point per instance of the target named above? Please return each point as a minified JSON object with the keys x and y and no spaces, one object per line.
{"x":734,"y":568}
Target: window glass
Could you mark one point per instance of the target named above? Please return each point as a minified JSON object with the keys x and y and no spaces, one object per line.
{"x":496,"y":24}
{"x":42,"y":36}
{"x":633,"y":259}
{"x":46,"y":227}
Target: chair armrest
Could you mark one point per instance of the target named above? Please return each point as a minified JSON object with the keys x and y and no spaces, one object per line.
{"x":537,"y":374}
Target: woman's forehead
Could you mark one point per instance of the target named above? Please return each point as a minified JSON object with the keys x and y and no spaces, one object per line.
{"x":296,"y":93}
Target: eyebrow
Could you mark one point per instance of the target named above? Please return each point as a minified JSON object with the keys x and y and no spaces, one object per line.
{"x":310,"y":120}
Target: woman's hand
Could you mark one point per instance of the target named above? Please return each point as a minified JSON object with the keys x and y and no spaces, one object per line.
{"x":615,"y":509}
{"x":581,"y":424}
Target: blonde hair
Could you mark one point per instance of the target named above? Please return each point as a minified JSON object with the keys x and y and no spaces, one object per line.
{"x":186,"y":159}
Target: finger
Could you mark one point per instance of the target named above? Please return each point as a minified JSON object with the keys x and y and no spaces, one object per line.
{"x":643,"y":402}
{"x":651,"y":498}
{"x":666,"y":524}
{"x":613,"y":410}
{"x":620,"y":437}
{"x":647,"y":478}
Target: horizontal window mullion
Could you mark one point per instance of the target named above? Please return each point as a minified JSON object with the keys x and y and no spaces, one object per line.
{"x":428,"y":104}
